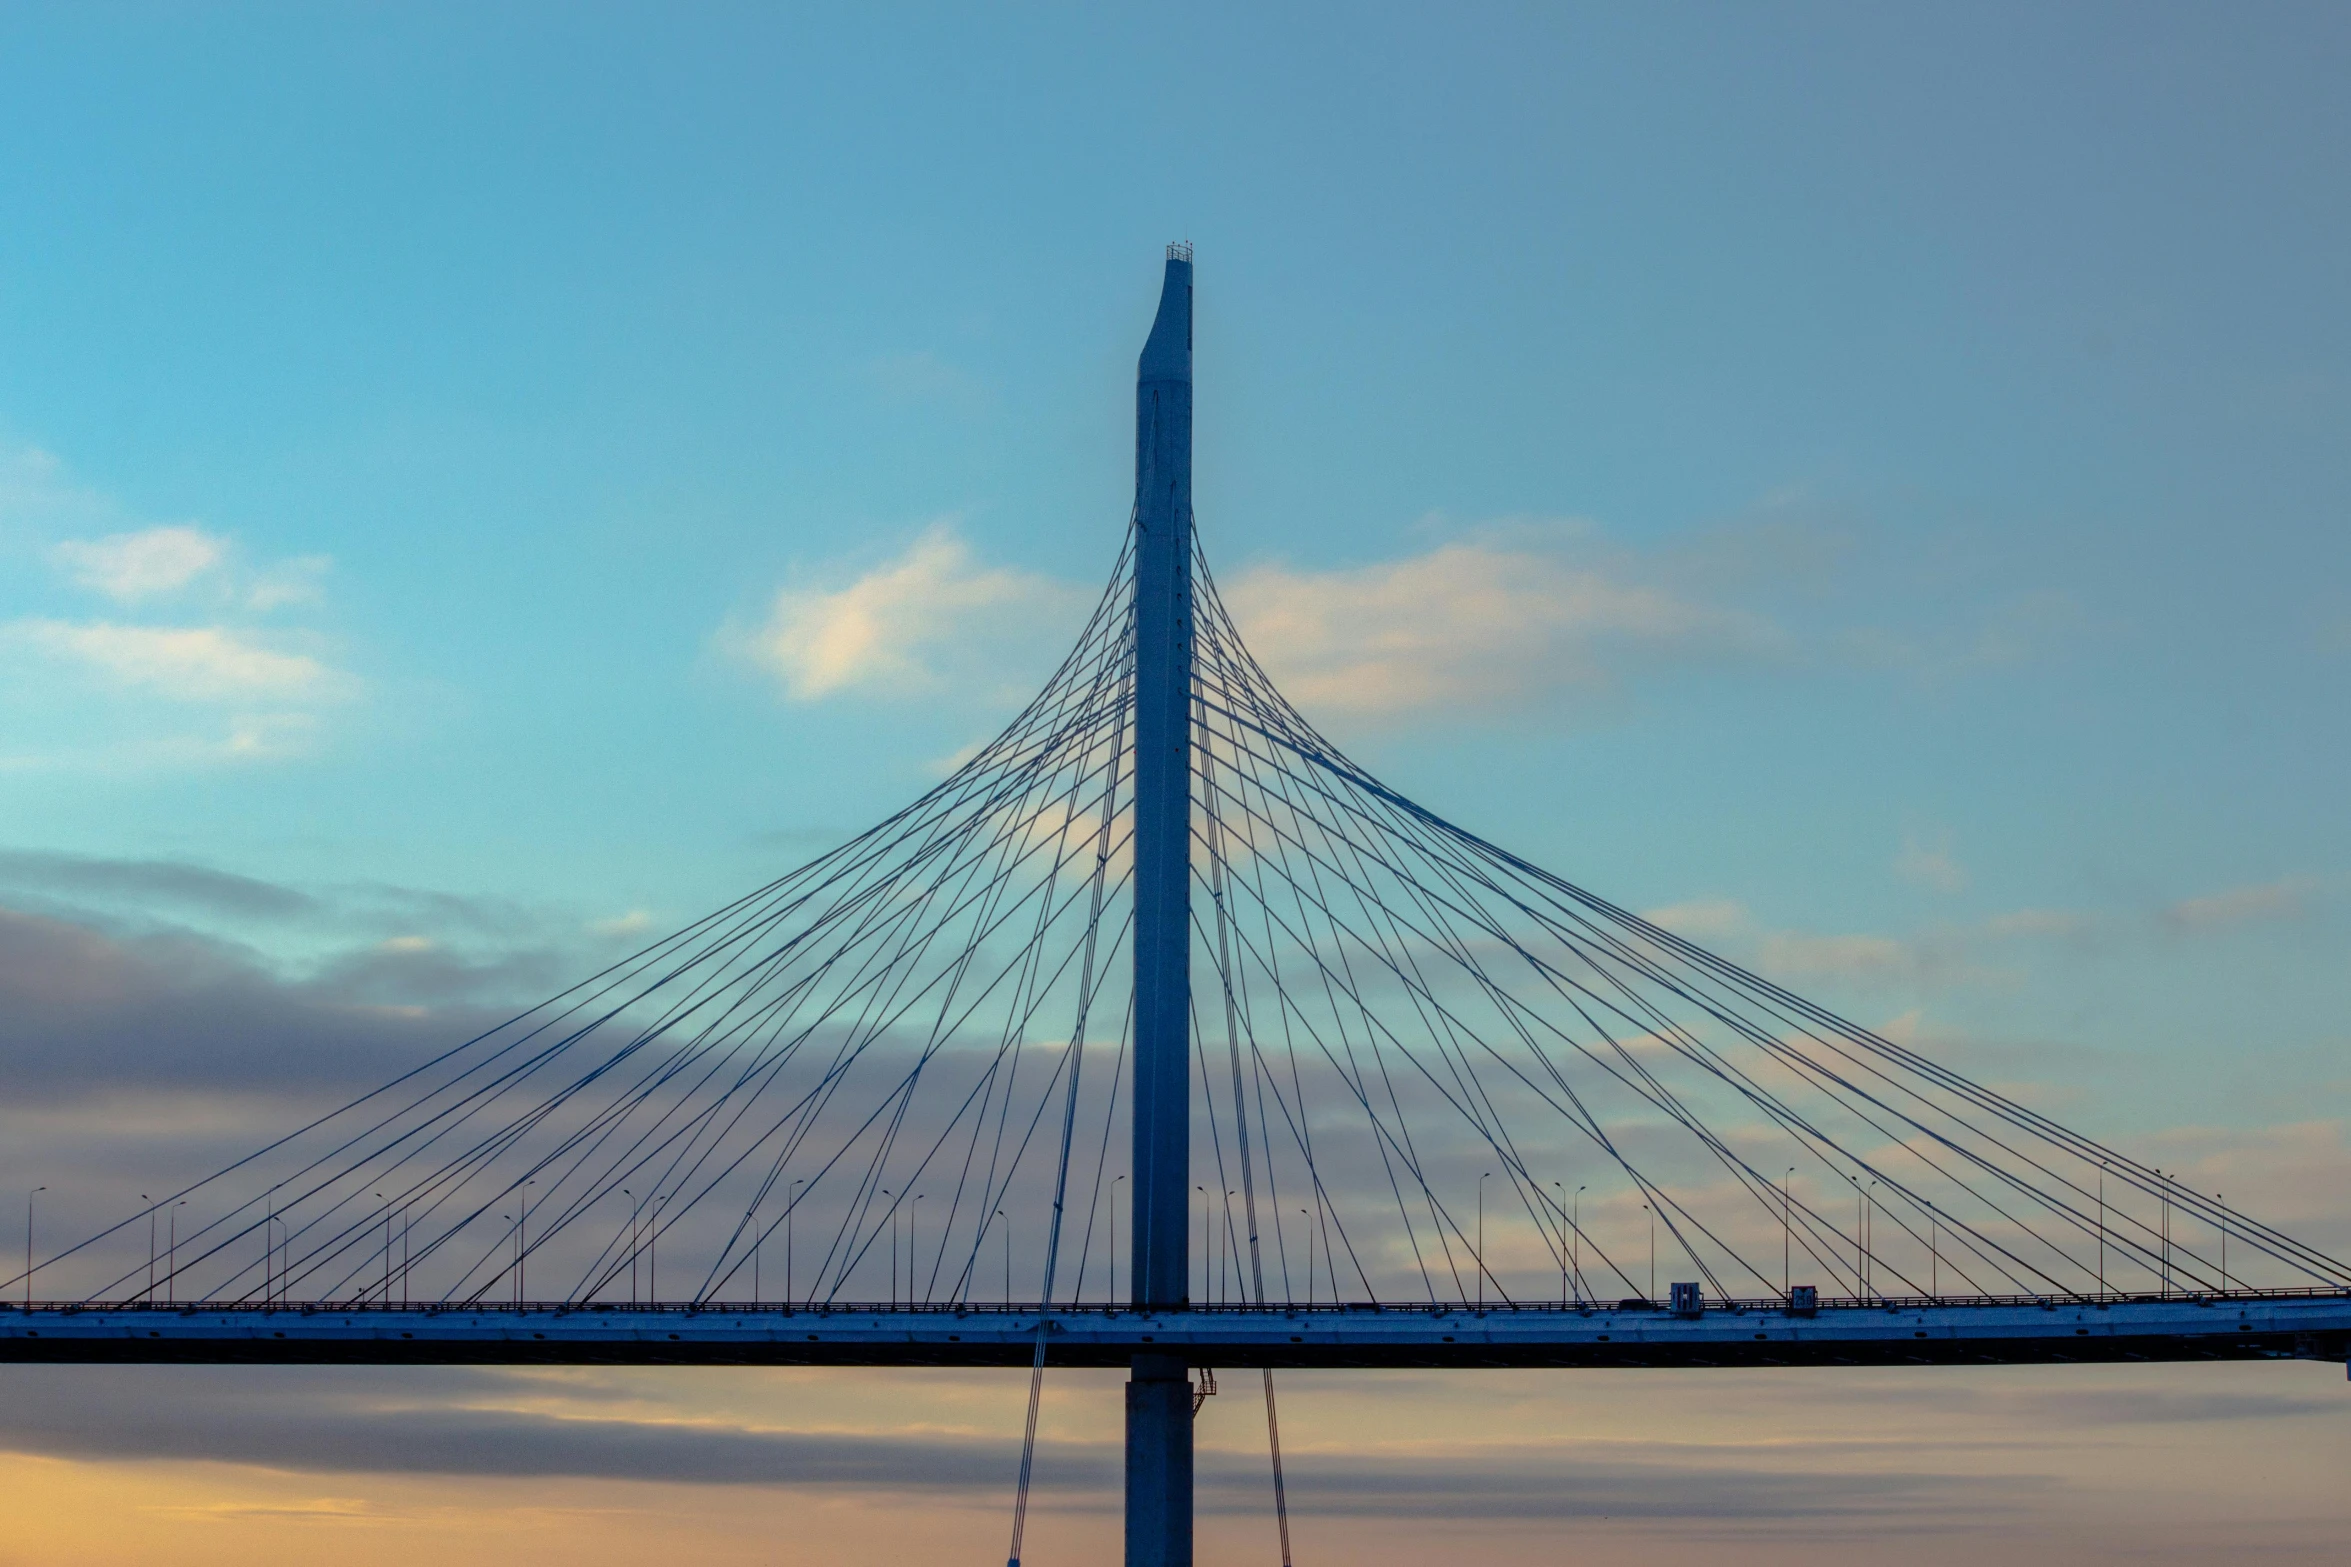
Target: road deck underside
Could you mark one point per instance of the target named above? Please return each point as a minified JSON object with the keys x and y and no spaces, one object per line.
{"x":1900,"y":1333}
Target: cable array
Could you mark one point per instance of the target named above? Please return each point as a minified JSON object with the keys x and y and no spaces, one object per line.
{"x":1425,"y":1071}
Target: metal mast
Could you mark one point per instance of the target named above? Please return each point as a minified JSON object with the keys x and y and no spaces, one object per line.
{"x":1159,"y":1393}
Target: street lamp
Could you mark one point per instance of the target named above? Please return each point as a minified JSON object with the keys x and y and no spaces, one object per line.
{"x":1225,"y":1254}
{"x":1207,"y":1241}
{"x":1860,"y":1245}
{"x":791,"y":1202}
{"x":274,"y":1247}
{"x":1481,"y":1255}
{"x":1576,"y":1222}
{"x":1561,"y":1187}
{"x":522,"y":1243}
{"x":149,"y":1297}
{"x":387,"y":1251}
{"x":28,"y":1244}
{"x":1652,"y":1212}
{"x":1787,"y":1229}
{"x":1309,"y":1218}
{"x":913,"y":1220}
{"x":625,"y":1192}
{"x":2222,"y":1200}
{"x":653,"y":1251}
{"x":1114,"y":1238}
{"x":1869,"y":1232}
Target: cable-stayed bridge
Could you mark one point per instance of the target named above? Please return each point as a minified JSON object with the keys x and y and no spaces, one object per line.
{"x":1162,"y":1035}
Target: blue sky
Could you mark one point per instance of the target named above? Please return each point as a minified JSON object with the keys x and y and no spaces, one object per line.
{"x":1992,"y":369}
{"x":1868,"y":482}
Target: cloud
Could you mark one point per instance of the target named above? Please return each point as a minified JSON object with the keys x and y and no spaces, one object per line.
{"x":908,"y":626}
{"x":925,"y":377}
{"x":2273,"y":900}
{"x":1480,"y":624}
{"x":296,"y":581}
{"x":634,"y":923}
{"x":1930,"y":863}
{"x":2037,"y":923}
{"x":187,"y":664}
{"x":1792,"y":953}
{"x":464,"y":1422}
{"x":159,"y":881}
{"x":1703,"y":919}
{"x":129,"y":567}
{"x":82,"y":1010}
{"x":2030,"y":628}
{"x":96,"y":694}
{"x":346,"y":1424}
{"x":1939,"y":956}
{"x":35,"y":491}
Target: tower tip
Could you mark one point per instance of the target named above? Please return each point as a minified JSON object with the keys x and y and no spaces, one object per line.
{"x":1179,"y":250}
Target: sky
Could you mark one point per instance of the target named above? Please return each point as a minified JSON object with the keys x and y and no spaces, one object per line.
{"x":482,"y":484}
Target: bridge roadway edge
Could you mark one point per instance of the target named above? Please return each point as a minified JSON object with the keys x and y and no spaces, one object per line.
{"x":1391,"y":1337}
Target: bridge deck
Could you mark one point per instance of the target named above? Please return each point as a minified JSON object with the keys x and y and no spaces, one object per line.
{"x":2234,"y":1326}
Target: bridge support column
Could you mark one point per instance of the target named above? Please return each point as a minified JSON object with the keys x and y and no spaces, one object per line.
{"x":1159,"y":1399}
{"x":1159,"y":1463}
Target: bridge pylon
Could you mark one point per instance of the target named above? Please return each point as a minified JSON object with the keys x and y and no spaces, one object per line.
{"x":1159,"y":1402}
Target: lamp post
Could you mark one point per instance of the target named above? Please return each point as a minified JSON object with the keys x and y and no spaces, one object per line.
{"x":791,"y":1202}
{"x":1860,"y":1247}
{"x":1309,"y":1218}
{"x":913,"y":1221}
{"x":625,"y":1192}
{"x":1869,"y":1228}
{"x":28,"y":1244}
{"x":1577,"y":1255}
{"x":1561,"y":1187}
{"x":2220,"y":1199}
{"x":1482,"y":1239}
{"x":1207,"y":1240}
{"x":149,"y":1297}
{"x":1652,"y":1213}
{"x":522,"y":1244}
{"x":1114,"y":1238}
{"x":1787,"y":1232}
{"x":387,"y":1248}
{"x":2163,"y":1195}
{"x":1007,"y":1258}
{"x":1225,"y":1254}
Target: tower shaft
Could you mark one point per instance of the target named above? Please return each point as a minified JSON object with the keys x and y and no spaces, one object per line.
{"x":1159,"y":1410}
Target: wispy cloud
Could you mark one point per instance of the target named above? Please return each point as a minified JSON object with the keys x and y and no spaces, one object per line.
{"x":1928,"y":861}
{"x":1941,"y":954}
{"x":925,"y":377}
{"x":1500,"y":620}
{"x":636,"y":922}
{"x":188,"y":664}
{"x":2038,"y":924}
{"x":1703,"y":919}
{"x":2287,"y":898}
{"x":129,"y":567}
{"x":912,"y":625}
{"x":184,"y":629}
